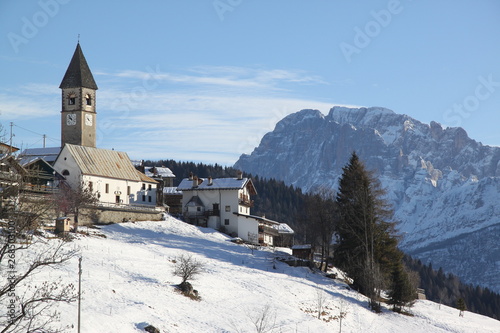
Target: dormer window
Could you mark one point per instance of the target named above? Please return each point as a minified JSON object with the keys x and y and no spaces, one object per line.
{"x":72,"y":99}
{"x":88,"y":99}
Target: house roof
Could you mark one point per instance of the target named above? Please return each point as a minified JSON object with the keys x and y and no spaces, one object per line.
{"x":5,"y":148}
{"x":43,"y":168}
{"x":78,"y":73}
{"x":218,"y":184}
{"x":48,"y":154}
{"x":258,"y":218}
{"x":105,"y":163}
{"x":195,"y":201}
{"x":284,"y":228}
{"x":159,"y":171}
{"x":171,"y":190}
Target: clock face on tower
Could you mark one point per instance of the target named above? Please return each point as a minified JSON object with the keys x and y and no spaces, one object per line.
{"x":71,"y":119}
{"x":88,"y":119}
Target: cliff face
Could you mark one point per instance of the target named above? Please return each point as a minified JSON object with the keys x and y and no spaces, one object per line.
{"x":444,"y":186}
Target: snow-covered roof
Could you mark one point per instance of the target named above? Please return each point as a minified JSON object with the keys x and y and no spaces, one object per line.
{"x":171,"y":190}
{"x":48,"y":154}
{"x":284,"y":228}
{"x":217,"y":184}
{"x":259,"y":218}
{"x":159,"y":171}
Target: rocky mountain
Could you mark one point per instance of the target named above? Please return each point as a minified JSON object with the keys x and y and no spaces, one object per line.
{"x":444,"y":186}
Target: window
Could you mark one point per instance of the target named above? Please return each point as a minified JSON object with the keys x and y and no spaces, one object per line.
{"x":128,"y":190}
{"x":91,"y":186}
{"x":149,"y":198}
{"x":143,"y":187}
{"x":198,"y":209}
{"x":107,"y":188}
{"x":226,"y":221}
{"x":143,"y":198}
{"x":228,"y":208}
{"x":149,"y":187}
{"x":65,"y":173}
{"x":88,"y":99}
{"x":72,"y":99}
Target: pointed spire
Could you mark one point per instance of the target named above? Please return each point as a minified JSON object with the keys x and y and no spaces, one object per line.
{"x":78,"y":73}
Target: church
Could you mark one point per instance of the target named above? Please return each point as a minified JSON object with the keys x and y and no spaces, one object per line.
{"x":123,"y":192}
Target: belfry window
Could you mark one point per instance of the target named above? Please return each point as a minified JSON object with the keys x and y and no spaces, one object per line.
{"x":88,"y":99}
{"x":72,"y":99}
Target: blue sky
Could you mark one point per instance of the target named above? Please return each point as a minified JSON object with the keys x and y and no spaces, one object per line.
{"x":205,"y":80}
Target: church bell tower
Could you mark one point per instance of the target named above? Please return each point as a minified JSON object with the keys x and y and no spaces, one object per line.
{"x":78,"y":114}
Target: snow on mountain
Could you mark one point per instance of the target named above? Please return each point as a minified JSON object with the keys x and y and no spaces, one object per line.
{"x":443,"y":185}
{"x":127,"y":283}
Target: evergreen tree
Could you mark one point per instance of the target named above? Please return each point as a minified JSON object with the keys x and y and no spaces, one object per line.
{"x":366,"y":244}
{"x":402,"y":293}
{"x":461,"y":306}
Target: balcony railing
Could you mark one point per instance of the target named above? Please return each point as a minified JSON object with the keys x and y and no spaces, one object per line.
{"x":268,"y":230}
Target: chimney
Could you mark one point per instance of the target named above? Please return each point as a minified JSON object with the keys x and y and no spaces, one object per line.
{"x":195,"y":182}
{"x":190,"y":176}
{"x":210,"y":181}
{"x":240,"y":175}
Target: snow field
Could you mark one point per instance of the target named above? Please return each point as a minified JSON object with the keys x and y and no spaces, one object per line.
{"x":127,"y":283}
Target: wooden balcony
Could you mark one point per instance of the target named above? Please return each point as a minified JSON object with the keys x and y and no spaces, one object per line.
{"x":263,"y":229}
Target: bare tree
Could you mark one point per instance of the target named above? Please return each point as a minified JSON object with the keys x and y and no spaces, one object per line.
{"x":321,"y":219}
{"x":72,"y":200}
{"x":22,"y":256}
{"x":320,"y":301}
{"x":263,"y":320}
{"x":186,"y":267}
{"x":342,"y":313}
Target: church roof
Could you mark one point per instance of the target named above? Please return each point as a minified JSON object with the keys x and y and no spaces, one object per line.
{"x":105,"y":163}
{"x":78,"y":73}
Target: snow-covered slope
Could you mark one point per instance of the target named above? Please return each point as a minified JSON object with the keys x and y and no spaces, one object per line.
{"x":445,"y":187}
{"x":127,"y":282}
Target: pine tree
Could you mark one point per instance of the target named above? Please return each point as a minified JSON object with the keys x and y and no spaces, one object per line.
{"x":461,"y":306}
{"x":366,"y":244}
{"x":402,"y":293}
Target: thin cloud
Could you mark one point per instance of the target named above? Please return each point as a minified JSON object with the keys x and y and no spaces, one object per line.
{"x":223,"y":76}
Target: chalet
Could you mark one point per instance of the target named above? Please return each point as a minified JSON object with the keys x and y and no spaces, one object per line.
{"x":165,"y":178}
{"x":224,"y":204}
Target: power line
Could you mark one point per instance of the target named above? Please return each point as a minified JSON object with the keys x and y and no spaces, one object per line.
{"x":47,"y":137}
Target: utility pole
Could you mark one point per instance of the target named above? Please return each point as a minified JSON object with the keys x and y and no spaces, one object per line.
{"x":79,"y":290}
{"x":44,"y":137}
{"x":11,"y":135}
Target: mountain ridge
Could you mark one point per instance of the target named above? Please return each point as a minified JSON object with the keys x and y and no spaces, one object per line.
{"x":441,"y":183}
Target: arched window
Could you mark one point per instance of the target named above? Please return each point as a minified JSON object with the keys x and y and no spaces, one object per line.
{"x":72,"y":99}
{"x":88,"y":99}
{"x":65,"y":172}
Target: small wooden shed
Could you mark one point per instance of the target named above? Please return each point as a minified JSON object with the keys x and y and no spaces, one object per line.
{"x":63,"y":224}
{"x":305,"y":251}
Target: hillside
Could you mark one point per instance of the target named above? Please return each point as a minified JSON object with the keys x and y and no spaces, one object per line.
{"x":127,"y":282}
{"x":443,"y":185}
